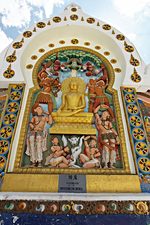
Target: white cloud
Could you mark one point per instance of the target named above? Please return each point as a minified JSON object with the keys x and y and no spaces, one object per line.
{"x":15,"y":13}
{"x":132,"y":8}
{"x":47,"y":5}
{"x":18,"y":13}
{"x":4,"y":40}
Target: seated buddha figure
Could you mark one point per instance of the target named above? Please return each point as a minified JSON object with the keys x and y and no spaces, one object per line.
{"x":73,"y":102}
{"x":70,"y":117}
{"x":73,"y":98}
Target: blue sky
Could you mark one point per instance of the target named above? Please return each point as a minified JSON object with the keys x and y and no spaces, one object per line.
{"x":131,"y":17}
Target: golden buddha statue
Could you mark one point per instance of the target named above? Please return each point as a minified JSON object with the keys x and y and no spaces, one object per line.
{"x":70,"y":117}
{"x":73,"y":101}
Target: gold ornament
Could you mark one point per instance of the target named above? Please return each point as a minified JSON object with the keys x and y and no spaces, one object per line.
{"x":62,"y":42}
{"x":9,"y":73}
{"x":97,"y":47}
{"x":27,"y":34}
{"x":117,"y":70}
{"x":11,"y":58}
{"x":90,"y":20}
{"x":135,"y":76}
{"x":127,"y":47}
{"x":29,"y":66}
{"x":57,"y":19}
{"x":134,"y":61}
{"x":106,"y":27}
{"x":142,"y":208}
{"x":87,"y":43}
{"x":113,"y":61}
{"x":17,"y":45}
{"x":74,"y":41}
{"x":34,"y":57}
{"x":40,"y":24}
{"x":41,"y":50}
{"x":74,"y":17}
{"x":73,"y":9}
{"x":120,"y":37}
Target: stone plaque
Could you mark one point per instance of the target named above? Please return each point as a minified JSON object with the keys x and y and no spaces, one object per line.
{"x":72,"y":183}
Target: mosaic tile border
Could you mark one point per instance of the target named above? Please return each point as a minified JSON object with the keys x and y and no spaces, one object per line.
{"x":8,"y":122}
{"x":137,"y":134}
{"x":75,"y":207}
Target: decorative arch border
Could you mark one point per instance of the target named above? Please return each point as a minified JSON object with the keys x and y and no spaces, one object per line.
{"x":20,"y":150}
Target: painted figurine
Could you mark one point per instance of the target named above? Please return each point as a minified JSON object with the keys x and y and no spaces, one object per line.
{"x":57,"y":157}
{"x":96,"y":90}
{"x":107,"y":137}
{"x":37,"y":135}
{"x":47,"y":84}
{"x":91,"y":156}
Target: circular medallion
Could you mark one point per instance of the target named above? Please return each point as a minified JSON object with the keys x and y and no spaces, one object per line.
{"x":6,"y":132}
{"x":113,"y":61}
{"x":40,"y":208}
{"x":74,"y":41}
{"x":17,"y":45}
{"x":9,"y":119}
{"x":15,"y":95}
{"x":74,"y":17}
{"x":11,"y":58}
{"x":62,"y":42}
{"x":12,"y":107}
{"x":4,"y":146}
{"x":129,"y":207}
{"x":132,"y":109}
{"x":22,"y":205}
{"x":97,"y":47}
{"x":56,"y":19}
{"x":29,"y":66}
{"x":41,"y":50}
{"x":9,"y":73}
{"x":113,"y":206}
{"x":134,"y":62}
{"x":138,"y":134}
{"x":136,"y":77}
{"x":141,"y":148}
{"x":27,"y":34}
{"x":106,"y":27}
{"x":34,"y":57}
{"x":144,"y":164}
{"x":41,"y":25}
{"x":9,"y":206}
{"x":73,"y":9}
{"x":120,"y":37}
{"x":106,"y":53}
{"x":51,"y":45}
{"x":90,"y":20}
{"x":130,"y":98}
{"x":129,"y":48}
{"x":117,"y":70}
{"x":87,"y":43}
{"x":135,"y":121}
